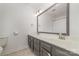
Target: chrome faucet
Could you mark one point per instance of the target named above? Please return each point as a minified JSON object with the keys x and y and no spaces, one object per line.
{"x":61,"y":36}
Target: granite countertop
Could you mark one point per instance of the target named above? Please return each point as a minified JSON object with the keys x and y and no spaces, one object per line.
{"x":68,"y":44}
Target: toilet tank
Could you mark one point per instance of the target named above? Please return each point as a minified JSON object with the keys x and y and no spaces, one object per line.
{"x":3,"y":40}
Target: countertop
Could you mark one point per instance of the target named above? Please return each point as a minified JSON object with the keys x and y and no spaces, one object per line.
{"x":68,"y":44}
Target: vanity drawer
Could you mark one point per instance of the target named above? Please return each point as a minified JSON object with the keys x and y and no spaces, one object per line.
{"x":46,"y":45}
{"x":57,"y":51}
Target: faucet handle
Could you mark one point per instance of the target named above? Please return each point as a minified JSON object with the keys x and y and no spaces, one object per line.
{"x":61,"y":36}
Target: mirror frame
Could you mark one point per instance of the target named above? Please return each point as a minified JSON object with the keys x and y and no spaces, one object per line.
{"x":67,"y":21}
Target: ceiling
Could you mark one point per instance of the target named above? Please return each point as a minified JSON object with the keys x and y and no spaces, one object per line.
{"x":41,"y":6}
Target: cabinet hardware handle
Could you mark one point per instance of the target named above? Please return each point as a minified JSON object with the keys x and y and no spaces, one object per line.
{"x":47,"y":51}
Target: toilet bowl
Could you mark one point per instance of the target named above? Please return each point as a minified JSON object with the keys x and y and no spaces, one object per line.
{"x":3,"y":42}
{"x":1,"y":49}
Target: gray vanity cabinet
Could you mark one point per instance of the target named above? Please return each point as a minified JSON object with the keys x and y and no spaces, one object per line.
{"x":56,"y":51}
{"x":42,"y":48}
{"x":36,"y":47}
{"x":45,"y":49}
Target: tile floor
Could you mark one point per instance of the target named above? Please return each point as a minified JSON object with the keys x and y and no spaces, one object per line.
{"x":24,"y":52}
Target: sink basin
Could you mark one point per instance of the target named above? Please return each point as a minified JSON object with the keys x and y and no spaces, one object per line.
{"x":48,"y":36}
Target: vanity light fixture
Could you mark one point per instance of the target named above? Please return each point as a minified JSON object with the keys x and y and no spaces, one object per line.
{"x":38,"y":12}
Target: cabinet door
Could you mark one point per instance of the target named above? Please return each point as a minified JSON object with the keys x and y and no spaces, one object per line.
{"x":36,"y":47}
{"x":58,"y":52}
{"x":32,"y":43}
{"x":44,"y":52}
{"x":29,"y":41}
{"x":45,"y":49}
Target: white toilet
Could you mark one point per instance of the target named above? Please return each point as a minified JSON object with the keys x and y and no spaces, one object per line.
{"x":3,"y":42}
{"x":1,"y":49}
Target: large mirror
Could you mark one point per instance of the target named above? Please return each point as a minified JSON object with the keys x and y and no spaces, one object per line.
{"x":54,"y":20}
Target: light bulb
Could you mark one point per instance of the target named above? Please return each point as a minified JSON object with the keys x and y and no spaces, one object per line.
{"x":38,"y":12}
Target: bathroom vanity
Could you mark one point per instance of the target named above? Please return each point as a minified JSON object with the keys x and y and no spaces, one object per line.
{"x":54,"y":20}
{"x":51,"y":47}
